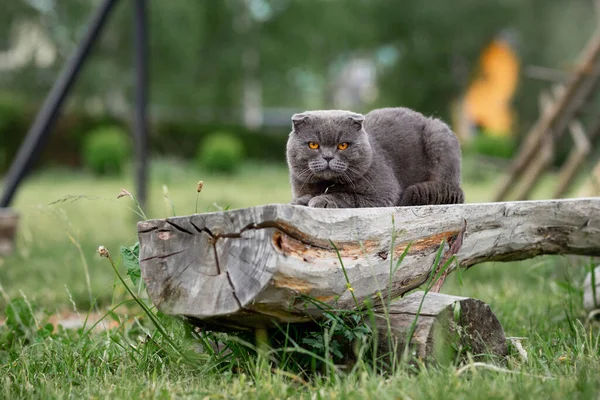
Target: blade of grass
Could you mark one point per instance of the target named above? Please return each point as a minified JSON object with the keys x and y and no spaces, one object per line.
{"x":348,"y":284}
{"x":429,"y":284}
{"x":147,"y":311}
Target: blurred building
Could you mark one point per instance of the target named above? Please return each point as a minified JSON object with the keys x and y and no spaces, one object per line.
{"x":355,"y":85}
{"x":28,"y":43}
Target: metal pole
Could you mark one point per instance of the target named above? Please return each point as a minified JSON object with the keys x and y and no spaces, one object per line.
{"x":41,"y":127}
{"x":140,"y":129}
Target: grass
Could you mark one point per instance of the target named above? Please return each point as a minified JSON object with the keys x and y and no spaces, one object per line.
{"x":56,"y":268}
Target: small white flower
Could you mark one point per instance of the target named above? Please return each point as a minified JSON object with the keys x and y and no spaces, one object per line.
{"x":103,"y":251}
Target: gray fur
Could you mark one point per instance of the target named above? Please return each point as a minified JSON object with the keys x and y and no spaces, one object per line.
{"x":395,"y":157}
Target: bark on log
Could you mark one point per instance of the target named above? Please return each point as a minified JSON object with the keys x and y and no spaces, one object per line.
{"x":250,"y":267}
{"x":591,"y":301}
{"x":8,"y":227}
{"x":445,"y":325}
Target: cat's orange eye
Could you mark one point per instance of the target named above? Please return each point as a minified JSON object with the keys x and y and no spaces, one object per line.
{"x":313,"y":145}
{"x":343,"y":146}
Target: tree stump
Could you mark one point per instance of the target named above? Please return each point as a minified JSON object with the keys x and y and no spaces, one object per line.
{"x":591,"y":302}
{"x":8,"y":227}
{"x":252,"y":267}
{"x":446,"y":327}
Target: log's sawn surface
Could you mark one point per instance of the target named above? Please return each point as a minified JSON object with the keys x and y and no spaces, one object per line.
{"x":248,"y":267}
{"x":444,"y":324}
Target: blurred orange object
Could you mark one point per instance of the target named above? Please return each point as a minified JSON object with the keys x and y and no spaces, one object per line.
{"x":487,"y":101}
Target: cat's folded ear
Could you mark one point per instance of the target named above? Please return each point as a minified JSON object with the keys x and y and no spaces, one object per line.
{"x":357,"y":119}
{"x":299,"y":119}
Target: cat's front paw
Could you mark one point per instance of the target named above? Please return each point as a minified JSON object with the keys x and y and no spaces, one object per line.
{"x":323,"y":201}
{"x":301,"y":201}
{"x":432,"y":193}
{"x":412,"y":196}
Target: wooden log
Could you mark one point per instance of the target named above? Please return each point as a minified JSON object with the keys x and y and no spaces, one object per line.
{"x":444,"y":326}
{"x":255,"y":266}
{"x":591,"y":186}
{"x":591,"y":300}
{"x":577,"y":157}
{"x":533,"y":173}
{"x":8,"y":227}
{"x":529,"y":148}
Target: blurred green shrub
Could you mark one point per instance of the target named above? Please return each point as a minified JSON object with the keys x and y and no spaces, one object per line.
{"x":181,"y":139}
{"x":493,"y":146}
{"x":220,"y":152}
{"x":66,"y":144}
{"x":106,"y":150}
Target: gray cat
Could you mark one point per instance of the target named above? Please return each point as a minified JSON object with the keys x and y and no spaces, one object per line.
{"x":389,"y":157}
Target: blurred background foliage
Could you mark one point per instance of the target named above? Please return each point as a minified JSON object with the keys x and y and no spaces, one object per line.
{"x":244,"y":66}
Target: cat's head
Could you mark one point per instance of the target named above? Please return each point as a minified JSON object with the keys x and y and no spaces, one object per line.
{"x":328,"y":145}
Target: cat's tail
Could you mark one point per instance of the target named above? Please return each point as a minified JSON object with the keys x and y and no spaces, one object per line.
{"x":431,"y":193}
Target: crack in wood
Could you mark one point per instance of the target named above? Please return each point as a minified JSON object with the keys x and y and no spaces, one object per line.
{"x":184,"y":269}
{"x":233,"y":290}
{"x":162,"y":256}
{"x":214,"y":247}
{"x":179,"y":228}
{"x":198,"y":229}
{"x":148,"y":230}
{"x":455,"y":243}
{"x":280,"y":226}
{"x":213,"y":242}
{"x":343,"y":247}
{"x":305,"y":239}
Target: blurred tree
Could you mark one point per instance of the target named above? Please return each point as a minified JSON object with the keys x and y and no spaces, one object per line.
{"x":217,"y":56}
{"x":433,"y":39}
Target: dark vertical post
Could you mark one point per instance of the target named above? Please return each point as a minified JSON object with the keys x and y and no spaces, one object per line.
{"x":42,"y":126}
{"x":140,"y":129}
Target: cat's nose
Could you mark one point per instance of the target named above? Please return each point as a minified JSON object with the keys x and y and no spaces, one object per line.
{"x":328,"y":158}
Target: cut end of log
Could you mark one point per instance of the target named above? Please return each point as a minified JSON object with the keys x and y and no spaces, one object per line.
{"x":8,"y":227}
{"x":445,"y":327}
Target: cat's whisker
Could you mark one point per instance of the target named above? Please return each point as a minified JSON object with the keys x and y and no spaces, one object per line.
{"x":306,"y":181}
{"x":355,"y":171}
{"x":305,"y":173}
{"x":346,"y":178}
{"x":308,"y":177}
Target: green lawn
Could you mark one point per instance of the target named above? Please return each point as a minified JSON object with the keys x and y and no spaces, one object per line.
{"x":56,"y":268}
